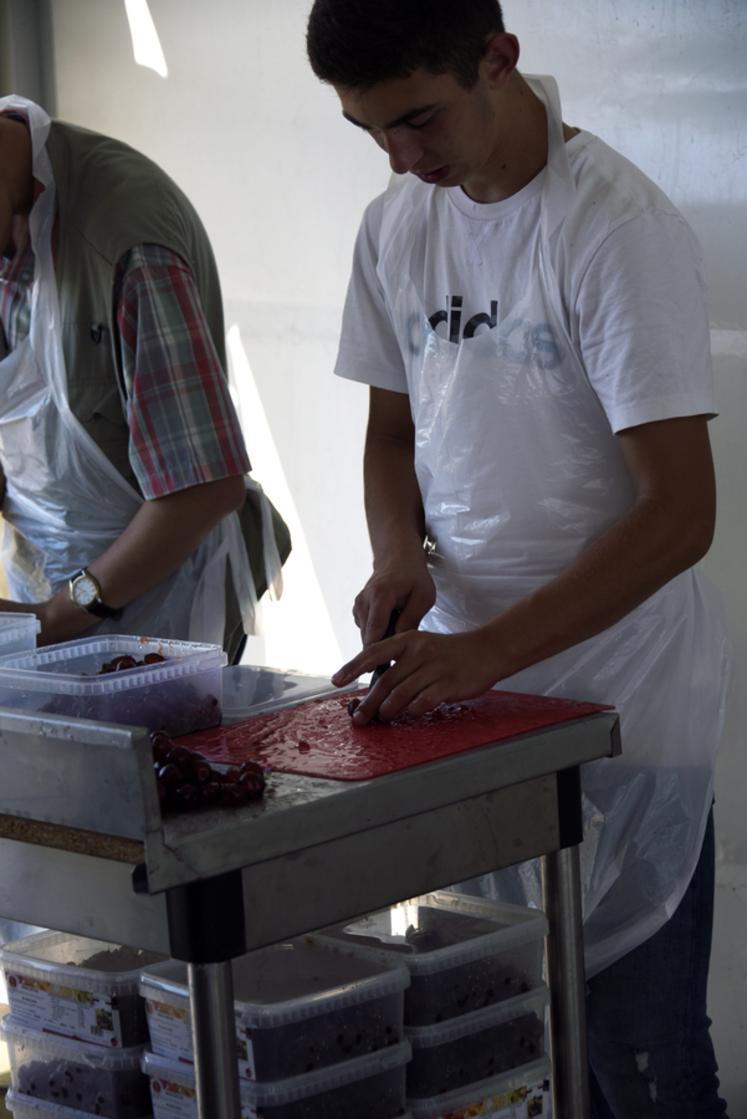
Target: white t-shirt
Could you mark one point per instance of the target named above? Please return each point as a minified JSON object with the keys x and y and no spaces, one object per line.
{"x":631,"y":280}
{"x":516,"y":396}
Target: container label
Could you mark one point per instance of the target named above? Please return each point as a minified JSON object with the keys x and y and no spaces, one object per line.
{"x":527,"y":1102}
{"x":169,"y":1029}
{"x":64,"y":1010}
{"x":172,"y":1100}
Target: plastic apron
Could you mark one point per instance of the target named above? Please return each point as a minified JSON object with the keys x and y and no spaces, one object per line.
{"x":664,"y":666}
{"x":65,"y":503}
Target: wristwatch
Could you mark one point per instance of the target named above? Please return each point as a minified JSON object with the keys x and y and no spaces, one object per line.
{"x":85,"y":591}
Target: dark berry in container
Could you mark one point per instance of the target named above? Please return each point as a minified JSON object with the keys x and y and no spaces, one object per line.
{"x":72,"y":1074}
{"x":476,"y":1046}
{"x":368,"y":1087}
{"x":300,"y":1007}
{"x":463,"y":953}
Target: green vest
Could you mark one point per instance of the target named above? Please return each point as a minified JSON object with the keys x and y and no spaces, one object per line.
{"x":111,"y":198}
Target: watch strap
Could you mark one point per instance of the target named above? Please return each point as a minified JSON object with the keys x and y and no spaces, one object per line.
{"x":101,"y":610}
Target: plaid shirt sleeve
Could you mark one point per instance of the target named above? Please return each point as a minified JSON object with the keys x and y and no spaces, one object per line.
{"x":184,"y":430}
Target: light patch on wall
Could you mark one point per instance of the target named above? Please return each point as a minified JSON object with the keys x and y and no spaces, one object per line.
{"x":297,"y":631}
{"x":146,"y":46}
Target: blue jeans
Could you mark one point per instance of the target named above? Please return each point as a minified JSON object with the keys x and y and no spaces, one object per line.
{"x":650,"y":1049}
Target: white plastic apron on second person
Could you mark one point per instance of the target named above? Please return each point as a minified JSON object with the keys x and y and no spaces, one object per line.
{"x":486,"y":414}
{"x":65,"y":503}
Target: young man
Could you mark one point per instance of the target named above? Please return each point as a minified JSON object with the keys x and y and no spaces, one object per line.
{"x":123,"y":464}
{"x":527,"y":309}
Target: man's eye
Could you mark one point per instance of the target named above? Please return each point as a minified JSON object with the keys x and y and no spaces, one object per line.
{"x":419,"y":122}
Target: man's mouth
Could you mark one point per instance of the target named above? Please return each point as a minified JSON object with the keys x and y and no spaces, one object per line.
{"x":434,"y":176}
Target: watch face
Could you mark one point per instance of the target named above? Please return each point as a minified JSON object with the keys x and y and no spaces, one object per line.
{"x":84,"y":591}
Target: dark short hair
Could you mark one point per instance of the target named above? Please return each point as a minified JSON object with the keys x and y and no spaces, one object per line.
{"x":355,"y":44}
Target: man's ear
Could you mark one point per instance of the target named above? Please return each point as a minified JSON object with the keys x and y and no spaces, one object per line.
{"x":500,"y":58}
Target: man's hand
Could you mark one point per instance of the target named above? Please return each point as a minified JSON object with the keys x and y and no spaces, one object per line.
{"x":429,"y":668}
{"x":411,"y":592}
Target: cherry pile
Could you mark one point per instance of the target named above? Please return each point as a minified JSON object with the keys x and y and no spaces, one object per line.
{"x":187,"y":780}
{"x":120,"y":663}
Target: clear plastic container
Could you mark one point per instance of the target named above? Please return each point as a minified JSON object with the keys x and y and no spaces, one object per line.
{"x":477,"y":1046}
{"x":18,"y":633}
{"x":463,"y":953}
{"x":75,"y":987}
{"x":299,"y":1006}
{"x":24,"y":1107}
{"x":71,"y":1074}
{"x":522,"y":1094}
{"x":181,"y":694}
{"x":370,"y":1087}
{"x":249,"y":690}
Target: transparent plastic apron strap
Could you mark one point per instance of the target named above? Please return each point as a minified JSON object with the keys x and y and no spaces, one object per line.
{"x":557,"y":199}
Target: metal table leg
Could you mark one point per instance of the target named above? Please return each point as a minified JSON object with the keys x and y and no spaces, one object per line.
{"x":214,"y":1041}
{"x":561,"y":888}
{"x":207,"y":931}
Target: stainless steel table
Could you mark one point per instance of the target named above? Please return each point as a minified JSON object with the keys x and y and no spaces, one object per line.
{"x":83,"y":849}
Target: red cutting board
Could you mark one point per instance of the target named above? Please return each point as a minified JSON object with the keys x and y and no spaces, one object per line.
{"x":318,"y":738}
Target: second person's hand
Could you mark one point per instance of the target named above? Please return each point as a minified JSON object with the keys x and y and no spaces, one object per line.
{"x":409,"y":591}
{"x":428,"y":669}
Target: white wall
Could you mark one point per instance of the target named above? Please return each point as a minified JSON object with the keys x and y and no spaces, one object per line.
{"x":281,"y":181}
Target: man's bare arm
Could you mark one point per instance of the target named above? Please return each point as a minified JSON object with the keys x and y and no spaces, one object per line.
{"x":160,"y":537}
{"x":394,"y":512}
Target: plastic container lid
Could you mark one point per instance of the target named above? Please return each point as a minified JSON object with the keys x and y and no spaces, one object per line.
{"x":451,"y":1029}
{"x":276,"y":1093}
{"x":71,"y":668}
{"x":45,"y":953}
{"x":18,"y":633}
{"x":288,"y":982}
{"x":433,"y":1107}
{"x":70,"y":1049}
{"x":249,"y":689}
{"x":443,"y":929}
{"x":22,"y":1105}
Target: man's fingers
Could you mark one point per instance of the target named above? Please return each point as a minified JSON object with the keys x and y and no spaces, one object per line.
{"x":376,"y":623}
{"x":410,"y":616}
{"x":397,"y":688}
{"x":360,"y":610}
{"x":405,"y":694}
{"x":365,"y":661}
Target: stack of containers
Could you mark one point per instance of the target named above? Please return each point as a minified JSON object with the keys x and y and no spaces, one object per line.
{"x":76,"y":1031}
{"x":319,"y":1032}
{"x":475,"y":1008}
{"x":18,"y":634}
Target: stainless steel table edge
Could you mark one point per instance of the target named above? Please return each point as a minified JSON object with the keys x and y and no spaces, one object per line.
{"x":190,"y":848}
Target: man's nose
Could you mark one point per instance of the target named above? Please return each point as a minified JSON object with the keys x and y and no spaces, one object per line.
{"x":404,"y":150}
